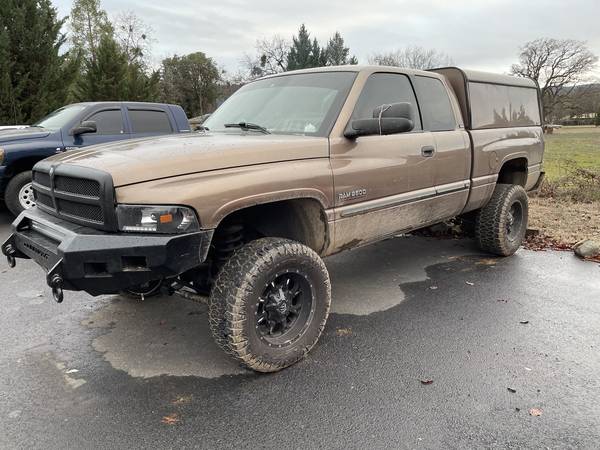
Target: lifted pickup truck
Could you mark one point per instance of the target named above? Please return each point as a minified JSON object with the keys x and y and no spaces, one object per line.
{"x":290,"y":169}
{"x":73,"y":127}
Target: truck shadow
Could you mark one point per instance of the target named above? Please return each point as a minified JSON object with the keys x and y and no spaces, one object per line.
{"x":170,"y":335}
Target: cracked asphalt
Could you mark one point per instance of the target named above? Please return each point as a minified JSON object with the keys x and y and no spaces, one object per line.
{"x":494,"y":339}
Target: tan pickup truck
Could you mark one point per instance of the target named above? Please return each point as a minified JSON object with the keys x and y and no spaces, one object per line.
{"x":290,"y":169}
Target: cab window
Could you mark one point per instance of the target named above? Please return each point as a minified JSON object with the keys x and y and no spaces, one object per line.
{"x":149,"y":121}
{"x":435,"y":104}
{"x":109,"y":121}
{"x":386,"y":88}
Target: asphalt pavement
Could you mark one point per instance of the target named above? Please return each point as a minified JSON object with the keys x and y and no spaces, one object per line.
{"x":430,"y":344}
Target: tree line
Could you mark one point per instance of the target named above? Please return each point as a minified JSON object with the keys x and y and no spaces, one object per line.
{"x":47,"y":61}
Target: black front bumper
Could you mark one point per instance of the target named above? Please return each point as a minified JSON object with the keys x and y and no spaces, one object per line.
{"x":85,"y":259}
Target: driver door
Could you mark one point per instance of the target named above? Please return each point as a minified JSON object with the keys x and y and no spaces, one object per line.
{"x":110,"y":126}
{"x":382,"y":182}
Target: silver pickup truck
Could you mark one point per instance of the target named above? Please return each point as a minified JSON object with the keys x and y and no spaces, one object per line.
{"x":290,"y":169}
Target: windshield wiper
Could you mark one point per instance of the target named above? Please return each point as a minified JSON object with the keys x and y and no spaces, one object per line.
{"x":247,"y":126}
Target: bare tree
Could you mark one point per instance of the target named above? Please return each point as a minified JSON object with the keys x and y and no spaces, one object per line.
{"x":413,"y":58}
{"x":558,"y":66}
{"x":134,"y":36}
{"x":271,"y":57}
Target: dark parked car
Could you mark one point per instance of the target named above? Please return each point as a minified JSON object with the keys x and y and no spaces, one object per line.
{"x":72,"y":127}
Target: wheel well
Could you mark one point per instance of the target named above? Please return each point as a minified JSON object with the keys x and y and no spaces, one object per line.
{"x":21,"y":165}
{"x":514,"y":172}
{"x":302,"y":220}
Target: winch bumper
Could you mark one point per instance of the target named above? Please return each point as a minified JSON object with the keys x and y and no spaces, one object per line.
{"x":79,"y":258}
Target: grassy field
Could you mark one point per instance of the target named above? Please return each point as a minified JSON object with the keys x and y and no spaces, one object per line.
{"x":579,"y":144}
{"x":561,"y":213}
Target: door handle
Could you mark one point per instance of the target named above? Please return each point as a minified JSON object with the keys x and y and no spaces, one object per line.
{"x":428,"y":151}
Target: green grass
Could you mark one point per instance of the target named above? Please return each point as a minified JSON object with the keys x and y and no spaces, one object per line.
{"x":578,"y":144}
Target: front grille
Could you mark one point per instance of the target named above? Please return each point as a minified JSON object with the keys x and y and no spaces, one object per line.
{"x":77,"y":186}
{"x":43,"y":199}
{"x":42,"y":178}
{"x":77,"y":194}
{"x":93,"y":213}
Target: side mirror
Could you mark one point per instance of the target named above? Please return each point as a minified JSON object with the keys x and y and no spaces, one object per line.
{"x":87,"y":126}
{"x":387,"y":119}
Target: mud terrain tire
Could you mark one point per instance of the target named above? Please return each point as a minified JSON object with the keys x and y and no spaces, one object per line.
{"x":501,"y":224}
{"x":269,"y":303}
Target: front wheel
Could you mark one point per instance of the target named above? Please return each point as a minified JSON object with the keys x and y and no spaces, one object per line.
{"x":18,"y":195}
{"x":501,"y":224}
{"x":269,"y":303}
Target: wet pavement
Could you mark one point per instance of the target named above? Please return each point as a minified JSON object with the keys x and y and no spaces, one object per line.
{"x":494,"y":339}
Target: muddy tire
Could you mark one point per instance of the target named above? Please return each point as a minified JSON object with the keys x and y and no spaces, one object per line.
{"x":269,"y":303}
{"x":18,"y":194}
{"x":501,"y":224}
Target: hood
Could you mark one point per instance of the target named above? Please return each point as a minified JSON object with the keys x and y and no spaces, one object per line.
{"x":10,"y":136}
{"x":149,"y":159}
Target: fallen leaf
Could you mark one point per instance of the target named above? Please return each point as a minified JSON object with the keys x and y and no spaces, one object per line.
{"x":527,"y":368}
{"x":470,"y":283}
{"x":72,"y":371}
{"x":343,"y":332}
{"x":182,"y":399}
{"x":171,"y":419}
{"x":524,"y":322}
{"x":511,"y":390}
{"x":433,"y":287}
{"x":427,"y":381}
{"x":536,"y":412}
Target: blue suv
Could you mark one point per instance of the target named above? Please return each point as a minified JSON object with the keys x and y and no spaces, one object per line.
{"x":72,"y":127}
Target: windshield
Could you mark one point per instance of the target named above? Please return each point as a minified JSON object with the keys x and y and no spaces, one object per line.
{"x":305,"y":104}
{"x":60,"y":117}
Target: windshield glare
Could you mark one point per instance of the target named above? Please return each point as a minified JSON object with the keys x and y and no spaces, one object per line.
{"x":305,"y":104}
{"x":60,"y":117}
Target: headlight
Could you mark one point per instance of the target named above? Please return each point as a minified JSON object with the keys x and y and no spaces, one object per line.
{"x":157,"y":219}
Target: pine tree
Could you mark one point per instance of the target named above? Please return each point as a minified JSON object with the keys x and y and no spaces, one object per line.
{"x":336,"y":53}
{"x":35,"y":73}
{"x":105,"y":76}
{"x":303,"y":53}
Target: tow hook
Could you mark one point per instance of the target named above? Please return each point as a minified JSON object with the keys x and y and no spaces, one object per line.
{"x":9,"y":251}
{"x":57,"y":291}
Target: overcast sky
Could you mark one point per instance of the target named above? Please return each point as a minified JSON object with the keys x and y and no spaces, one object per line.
{"x":477,"y":34}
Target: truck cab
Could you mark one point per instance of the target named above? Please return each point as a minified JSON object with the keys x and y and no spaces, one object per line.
{"x":72,"y":127}
{"x":290,"y":169}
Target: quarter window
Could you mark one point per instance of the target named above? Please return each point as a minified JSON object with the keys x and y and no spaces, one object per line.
{"x":386,"y":88}
{"x":435,"y":104}
{"x":109,"y":121}
{"x":149,"y":121}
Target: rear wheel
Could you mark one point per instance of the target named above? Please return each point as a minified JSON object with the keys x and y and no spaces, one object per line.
{"x":18,"y":195}
{"x":269,"y":303}
{"x":501,"y":224}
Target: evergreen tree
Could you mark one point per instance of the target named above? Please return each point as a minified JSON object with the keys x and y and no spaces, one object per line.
{"x":35,"y":74}
{"x":303,"y":53}
{"x":336,"y":53}
{"x":105,"y":75}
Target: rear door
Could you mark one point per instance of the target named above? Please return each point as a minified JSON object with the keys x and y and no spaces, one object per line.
{"x":149,"y":121}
